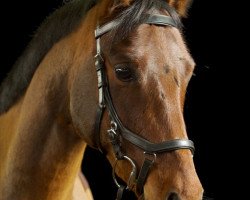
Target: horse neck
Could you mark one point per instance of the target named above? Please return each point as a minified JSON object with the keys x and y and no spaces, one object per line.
{"x":44,"y":153}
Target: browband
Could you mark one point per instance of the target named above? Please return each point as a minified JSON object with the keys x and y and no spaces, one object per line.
{"x":150,"y":19}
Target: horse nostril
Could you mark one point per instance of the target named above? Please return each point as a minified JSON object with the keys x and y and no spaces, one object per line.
{"x":173,"y":196}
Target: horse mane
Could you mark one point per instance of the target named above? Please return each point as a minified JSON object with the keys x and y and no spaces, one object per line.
{"x":58,"y":25}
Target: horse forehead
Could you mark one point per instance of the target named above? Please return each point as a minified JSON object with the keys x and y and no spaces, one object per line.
{"x":160,"y":44}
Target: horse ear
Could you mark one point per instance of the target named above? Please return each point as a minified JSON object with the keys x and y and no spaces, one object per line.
{"x":181,"y":6}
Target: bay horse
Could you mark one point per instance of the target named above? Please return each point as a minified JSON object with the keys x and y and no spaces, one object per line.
{"x":111,"y":74}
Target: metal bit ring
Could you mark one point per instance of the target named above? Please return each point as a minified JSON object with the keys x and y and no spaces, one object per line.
{"x":132,"y":175}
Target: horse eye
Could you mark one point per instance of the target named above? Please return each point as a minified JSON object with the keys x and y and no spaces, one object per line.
{"x":124,"y":73}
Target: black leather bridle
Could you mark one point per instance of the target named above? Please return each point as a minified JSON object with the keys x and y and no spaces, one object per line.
{"x":118,"y":131}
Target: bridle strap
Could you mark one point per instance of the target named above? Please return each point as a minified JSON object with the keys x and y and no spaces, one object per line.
{"x":150,"y":19}
{"x":147,"y":146}
{"x":143,"y":174}
{"x":120,"y":192}
{"x":105,"y":28}
{"x":97,"y":127}
{"x":160,"y":20}
{"x":101,"y":101}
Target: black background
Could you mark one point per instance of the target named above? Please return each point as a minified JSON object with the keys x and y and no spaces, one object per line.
{"x":209,"y":111}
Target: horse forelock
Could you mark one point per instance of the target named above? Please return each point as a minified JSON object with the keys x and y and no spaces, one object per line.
{"x":130,"y":14}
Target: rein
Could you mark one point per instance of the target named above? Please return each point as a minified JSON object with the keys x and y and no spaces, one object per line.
{"x":118,"y":131}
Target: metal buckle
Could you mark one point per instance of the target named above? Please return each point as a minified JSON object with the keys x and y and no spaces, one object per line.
{"x":112,"y":134}
{"x":113,"y":125}
{"x":150,"y":156}
{"x":132,"y":176}
{"x":112,"y":131}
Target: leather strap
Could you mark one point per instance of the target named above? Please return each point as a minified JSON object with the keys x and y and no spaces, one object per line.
{"x":97,"y":128}
{"x":105,"y":28}
{"x":150,"y":19}
{"x":160,"y":20}
{"x":147,"y":164}
{"x":147,"y":146}
{"x":102,"y":82}
{"x":116,"y":143}
{"x":120,"y":192}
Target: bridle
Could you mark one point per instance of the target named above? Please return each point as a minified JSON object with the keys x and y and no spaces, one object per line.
{"x":117,"y":130}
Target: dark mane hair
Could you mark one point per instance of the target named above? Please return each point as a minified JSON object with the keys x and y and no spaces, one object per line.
{"x":134,"y":15}
{"x":58,"y":25}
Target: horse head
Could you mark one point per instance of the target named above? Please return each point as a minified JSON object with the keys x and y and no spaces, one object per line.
{"x":143,"y":68}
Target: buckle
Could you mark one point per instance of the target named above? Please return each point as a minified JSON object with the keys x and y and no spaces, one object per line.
{"x":150,"y":156}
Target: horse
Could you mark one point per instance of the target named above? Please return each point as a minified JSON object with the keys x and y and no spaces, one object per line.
{"x":110,"y":74}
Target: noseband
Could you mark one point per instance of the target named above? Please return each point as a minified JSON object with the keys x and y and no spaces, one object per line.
{"x":118,"y":131}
